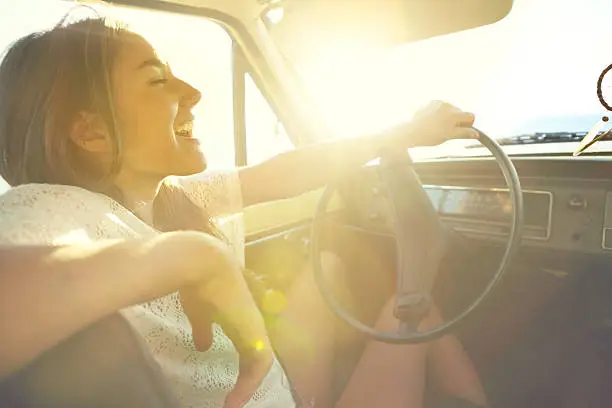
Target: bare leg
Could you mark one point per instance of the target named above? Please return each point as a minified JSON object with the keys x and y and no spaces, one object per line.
{"x":306,"y":338}
{"x":394,"y":375}
{"x":452,"y":370}
{"x":388,"y":375}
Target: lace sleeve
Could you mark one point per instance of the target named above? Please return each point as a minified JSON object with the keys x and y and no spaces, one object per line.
{"x":44,"y":214}
{"x":218,"y":192}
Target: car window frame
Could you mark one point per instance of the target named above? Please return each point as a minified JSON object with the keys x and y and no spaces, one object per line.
{"x":242,"y":67}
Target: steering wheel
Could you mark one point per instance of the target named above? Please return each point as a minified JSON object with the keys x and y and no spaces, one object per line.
{"x":421,"y":245}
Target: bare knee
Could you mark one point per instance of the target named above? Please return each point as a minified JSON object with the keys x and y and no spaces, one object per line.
{"x":332,"y":266}
{"x":305,"y":306}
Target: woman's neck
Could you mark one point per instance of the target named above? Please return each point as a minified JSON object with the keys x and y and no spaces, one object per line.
{"x":139,"y":198}
{"x":143,"y":210}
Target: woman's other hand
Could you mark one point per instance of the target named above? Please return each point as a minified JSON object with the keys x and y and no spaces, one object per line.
{"x":218,"y":293}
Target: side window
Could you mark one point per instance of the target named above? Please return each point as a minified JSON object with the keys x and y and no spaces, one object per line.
{"x":265,"y":134}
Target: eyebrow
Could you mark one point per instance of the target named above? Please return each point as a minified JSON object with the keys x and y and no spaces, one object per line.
{"x":152,"y":62}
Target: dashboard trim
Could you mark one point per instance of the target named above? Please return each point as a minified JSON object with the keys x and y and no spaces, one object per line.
{"x":548,"y":230}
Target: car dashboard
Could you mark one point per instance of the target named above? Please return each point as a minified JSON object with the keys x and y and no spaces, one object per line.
{"x":567,"y":201}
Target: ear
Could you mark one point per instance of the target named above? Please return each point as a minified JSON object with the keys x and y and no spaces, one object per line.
{"x":90,"y":133}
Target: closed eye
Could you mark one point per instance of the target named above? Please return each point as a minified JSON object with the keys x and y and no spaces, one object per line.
{"x":160,"y":81}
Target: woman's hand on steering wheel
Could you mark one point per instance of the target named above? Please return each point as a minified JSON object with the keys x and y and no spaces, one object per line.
{"x":434,"y":124}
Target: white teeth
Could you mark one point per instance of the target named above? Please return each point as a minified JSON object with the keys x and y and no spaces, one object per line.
{"x":184,"y":128}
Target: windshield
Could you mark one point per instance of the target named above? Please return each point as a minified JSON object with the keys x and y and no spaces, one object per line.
{"x":534,"y":71}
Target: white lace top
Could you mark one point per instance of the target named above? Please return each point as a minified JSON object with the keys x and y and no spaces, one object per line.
{"x":55,"y":214}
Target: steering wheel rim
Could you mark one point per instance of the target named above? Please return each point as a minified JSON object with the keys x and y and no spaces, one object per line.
{"x":512,"y":246}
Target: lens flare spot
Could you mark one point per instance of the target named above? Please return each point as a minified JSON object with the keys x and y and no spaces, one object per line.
{"x":259,"y":345}
{"x":274,"y":302}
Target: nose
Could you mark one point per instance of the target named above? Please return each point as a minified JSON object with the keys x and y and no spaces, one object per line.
{"x":190,"y":96}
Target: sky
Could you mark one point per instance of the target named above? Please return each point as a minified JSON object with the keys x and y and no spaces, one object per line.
{"x":541,"y":61}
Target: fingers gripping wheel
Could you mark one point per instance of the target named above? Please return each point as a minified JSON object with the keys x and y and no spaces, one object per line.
{"x":420,"y":247}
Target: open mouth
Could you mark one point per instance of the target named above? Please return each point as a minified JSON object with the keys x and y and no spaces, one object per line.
{"x":184,"y":130}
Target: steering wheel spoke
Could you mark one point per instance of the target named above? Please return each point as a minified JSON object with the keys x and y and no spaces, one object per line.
{"x":411,"y":307}
{"x":407,"y":328}
{"x":421,"y":241}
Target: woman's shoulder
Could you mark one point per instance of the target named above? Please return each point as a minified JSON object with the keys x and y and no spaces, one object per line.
{"x":43,"y":192}
{"x":219,"y":192}
{"x":56,"y":214}
{"x":50,"y":198}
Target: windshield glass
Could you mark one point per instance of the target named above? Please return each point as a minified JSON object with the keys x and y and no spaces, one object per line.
{"x":534,"y":71}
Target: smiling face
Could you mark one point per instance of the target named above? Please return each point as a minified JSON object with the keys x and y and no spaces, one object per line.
{"x":103,"y":112}
{"x":153,"y":110}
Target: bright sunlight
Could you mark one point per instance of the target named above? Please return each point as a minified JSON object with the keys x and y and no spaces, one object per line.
{"x":541,"y":60}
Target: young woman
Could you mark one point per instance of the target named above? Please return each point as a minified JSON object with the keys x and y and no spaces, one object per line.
{"x":92,"y":126}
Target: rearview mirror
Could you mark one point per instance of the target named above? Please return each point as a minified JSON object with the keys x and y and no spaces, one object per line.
{"x":309,"y":27}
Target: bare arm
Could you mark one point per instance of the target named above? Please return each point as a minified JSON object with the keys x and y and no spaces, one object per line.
{"x":308,"y":168}
{"x":47,"y":294}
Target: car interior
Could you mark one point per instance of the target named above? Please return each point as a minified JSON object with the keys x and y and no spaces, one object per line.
{"x":518,"y":226}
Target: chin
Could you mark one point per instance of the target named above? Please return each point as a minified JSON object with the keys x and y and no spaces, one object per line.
{"x":191,"y":166}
